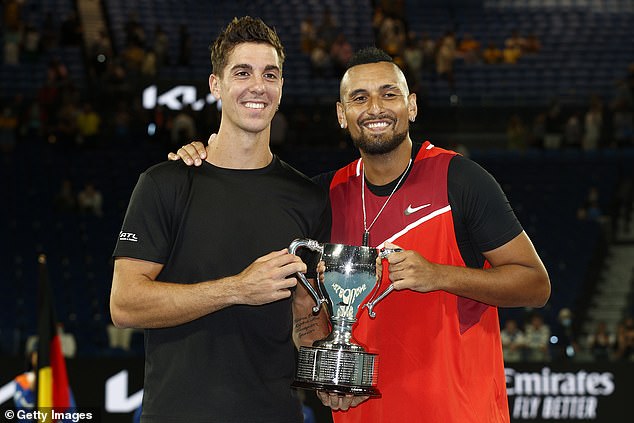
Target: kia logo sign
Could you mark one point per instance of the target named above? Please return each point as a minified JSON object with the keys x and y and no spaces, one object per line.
{"x":176,"y":98}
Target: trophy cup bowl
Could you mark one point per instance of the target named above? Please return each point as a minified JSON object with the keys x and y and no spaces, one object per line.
{"x":337,"y":363}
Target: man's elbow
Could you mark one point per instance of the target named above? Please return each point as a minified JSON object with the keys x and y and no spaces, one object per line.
{"x":541,"y":291}
{"x":120,"y":318}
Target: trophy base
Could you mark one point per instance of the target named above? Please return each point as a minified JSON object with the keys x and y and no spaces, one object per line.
{"x":338,"y":370}
{"x":337,"y":389}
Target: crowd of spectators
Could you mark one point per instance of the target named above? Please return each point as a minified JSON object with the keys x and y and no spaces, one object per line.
{"x":597,"y":125}
{"x":107,"y":109}
{"x":534,"y":340}
{"x":326,"y":45}
{"x":88,"y":201}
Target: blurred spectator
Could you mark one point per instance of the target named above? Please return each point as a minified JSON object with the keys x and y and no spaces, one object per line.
{"x":183,"y":127}
{"x":538,"y":131}
{"x":429,"y":52}
{"x":340,"y":53}
{"x":515,"y":41}
{"x":66,"y":131}
{"x":513,"y":342}
{"x":67,"y":340}
{"x":593,"y":195}
{"x":133,"y":57}
{"x":157,"y":125}
{"x":511,"y":54}
{"x":48,"y":32}
{"x":117,"y":86}
{"x":513,"y":48}
{"x":554,"y":126}
{"x":601,"y":342}
{"x":492,"y":54}
{"x":564,"y":344}
{"x":392,"y":36}
{"x":573,"y":131}
{"x":20,"y":108}
{"x":516,"y":133}
{"x":8,"y":129}
{"x":625,"y":340}
{"x":64,"y":200}
{"x":469,"y":49}
{"x":623,"y":125}
{"x":71,"y":31}
{"x":377,"y":19}
{"x":532,"y":44}
{"x":328,"y":28}
{"x":395,"y":8}
{"x":593,"y":126}
{"x":161,"y":46}
{"x":88,"y":123}
{"x":57,"y":72}
{"x":624,"y":202}
{"x":622,"y":97}
{"x":319,"y":59}
{"x":537,"y":339}
{"x":100,"y":54}
{"x":31,"y":43}
{"x":12,"y":40}
{"x":134,"y":32}
{"x":90,"y":200}
{"x":307,"y":35}
{"x":591,"y":210}
{"x":12,"y":14}
{"x":121,"y":121}
{"x":445,"y":57}
{"x":119,"y":337}
{"x":413,"y":57}
{"x":33,"y":121}
{"x":149,"y":65}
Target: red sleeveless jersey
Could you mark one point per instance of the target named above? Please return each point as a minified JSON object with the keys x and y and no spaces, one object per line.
{"x":440,"y":355}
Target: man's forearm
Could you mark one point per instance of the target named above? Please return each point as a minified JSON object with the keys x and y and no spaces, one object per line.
{"x":307,"y":326}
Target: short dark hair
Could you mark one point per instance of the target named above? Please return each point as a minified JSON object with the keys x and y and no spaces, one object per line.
{"x":369,"y":55}
{"x":243,"y":30}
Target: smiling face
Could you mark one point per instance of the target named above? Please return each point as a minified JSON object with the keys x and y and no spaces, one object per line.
{"x":250,"y":87}
{"x":375,"y":106}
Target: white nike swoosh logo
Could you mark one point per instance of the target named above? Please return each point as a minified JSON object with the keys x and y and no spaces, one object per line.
{"x":409,"y":210}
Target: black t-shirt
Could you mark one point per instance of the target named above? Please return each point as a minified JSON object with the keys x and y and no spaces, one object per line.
{"x":482,"y":215}
{"x":205,"y":223}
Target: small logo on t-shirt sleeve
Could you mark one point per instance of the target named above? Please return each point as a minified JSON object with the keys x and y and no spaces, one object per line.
{"x":127,"y":236}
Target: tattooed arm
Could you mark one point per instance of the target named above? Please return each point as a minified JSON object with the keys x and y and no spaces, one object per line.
{"x":307,"y":327}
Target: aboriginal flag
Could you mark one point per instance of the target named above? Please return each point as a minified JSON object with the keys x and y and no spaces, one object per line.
{"x":53,"y":391}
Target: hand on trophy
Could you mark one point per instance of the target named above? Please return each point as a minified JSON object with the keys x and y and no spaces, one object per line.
{"x":409,"y":270}
{"x":339,"y":401}
{"x":265,"y":280}
{"x":321,"y":268}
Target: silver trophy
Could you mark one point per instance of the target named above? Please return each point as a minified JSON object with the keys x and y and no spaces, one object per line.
{"x":336,"y":363}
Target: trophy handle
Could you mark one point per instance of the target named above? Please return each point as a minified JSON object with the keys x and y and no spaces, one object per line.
{"x":370,"y":304}
{"x":314,"y":246}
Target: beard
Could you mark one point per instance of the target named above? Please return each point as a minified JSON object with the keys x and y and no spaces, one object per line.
{"x":378,"y":145}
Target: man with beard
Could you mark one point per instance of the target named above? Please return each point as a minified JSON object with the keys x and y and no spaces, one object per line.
{"x":464,"y":254}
